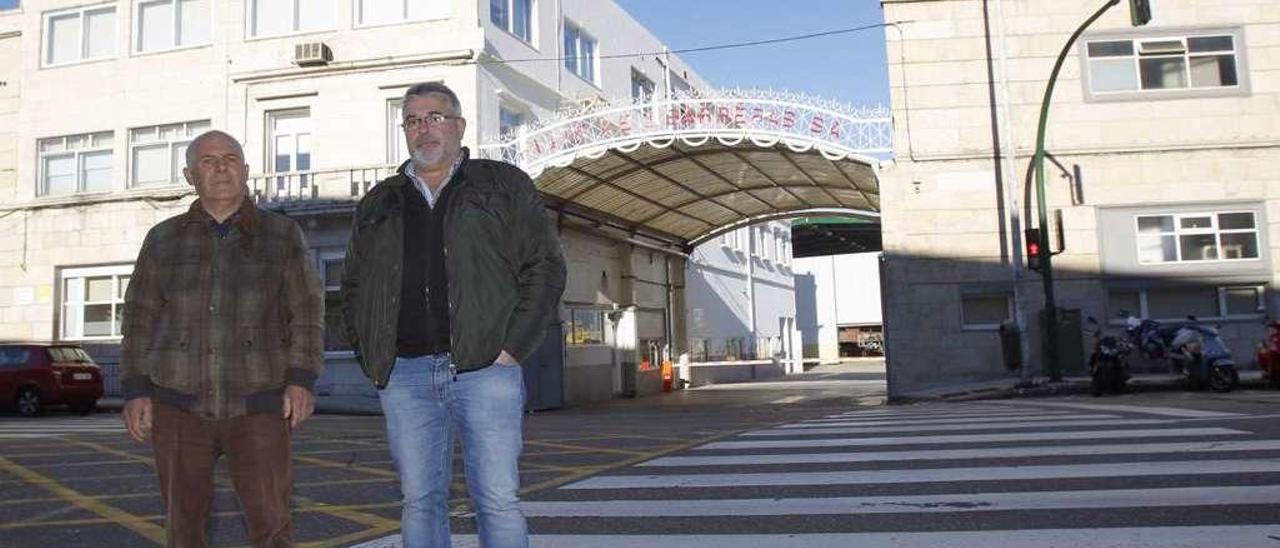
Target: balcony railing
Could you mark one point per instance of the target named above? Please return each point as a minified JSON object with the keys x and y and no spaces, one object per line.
{"x":326,"y":184}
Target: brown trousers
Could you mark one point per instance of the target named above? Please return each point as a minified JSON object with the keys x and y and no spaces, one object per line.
{"x":187,"y":447}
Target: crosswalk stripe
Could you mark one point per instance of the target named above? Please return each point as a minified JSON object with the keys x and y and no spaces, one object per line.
{"x":910,"y":504}
{"x":920,"y":413}
{"x":952,"y":475}
{"x":1163,"y":411}
{"x":984,"y":453}
{"x":1235,"y":536}
{"x":974,"y":438}
{"x":954,"y":427}
{"x":986,"y":420}
{"x":1006,"y":413}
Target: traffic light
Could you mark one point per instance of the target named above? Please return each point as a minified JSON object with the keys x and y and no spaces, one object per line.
{"x":1032,"y":241}
{"x":1140,"y":12}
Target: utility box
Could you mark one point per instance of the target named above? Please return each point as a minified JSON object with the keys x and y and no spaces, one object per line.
{"x":1070,"y":340}
{"x":1011,"y":345}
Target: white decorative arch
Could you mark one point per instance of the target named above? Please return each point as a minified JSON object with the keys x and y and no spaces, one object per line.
{"x":764,"y":118}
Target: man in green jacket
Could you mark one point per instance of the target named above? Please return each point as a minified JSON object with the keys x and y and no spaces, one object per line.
{"x":223,"y":340}
{"x":452,"y":275}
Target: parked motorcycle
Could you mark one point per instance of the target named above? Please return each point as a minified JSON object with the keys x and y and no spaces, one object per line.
{"x":1107,"y":366}
{"x":1194,"y":349}
{"x":1269,"y":355}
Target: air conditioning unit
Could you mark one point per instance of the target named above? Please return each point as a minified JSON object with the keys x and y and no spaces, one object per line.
{"x":308,"y":54}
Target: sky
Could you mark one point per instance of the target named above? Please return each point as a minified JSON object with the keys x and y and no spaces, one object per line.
{"x":849,"y":68}
{"x":8,"y":4}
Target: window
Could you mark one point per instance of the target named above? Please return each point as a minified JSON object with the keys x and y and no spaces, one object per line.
{"x":276,"y":17}
{"x":9,"y":5}
{"x":168,"y":24}
{"x":68,"y":354}
{"x":397,"y":148}
{"x":75,"y":163}
{"x":985,"y":310}
{"x":329,"y":263}
{"x":80,"y":34}
{"x":1177,"y":302}
{"x":1125,"y":66}
{"x":579,"y":52}
{"x":509,"y":121}
{"x":730,"y":239}
{"x":157,"y":154}
{"x":679,"y":86}
{"x":585,"y":326}
{"x":381,"y":12}
{"x":1197,"y":237}
{"x":641,"y":87}
{"x":779,"y":247}
{"x":290,"y":145}
{"x":93,"y":301}
{"x":513,"y":16}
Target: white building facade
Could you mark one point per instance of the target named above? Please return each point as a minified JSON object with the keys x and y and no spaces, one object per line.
{"x":838,"y":306}
{"x":98,"y":101}
{"x":742,"y":306}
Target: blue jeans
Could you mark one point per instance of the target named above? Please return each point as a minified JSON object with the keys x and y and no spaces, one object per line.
{"x":425,"y":405}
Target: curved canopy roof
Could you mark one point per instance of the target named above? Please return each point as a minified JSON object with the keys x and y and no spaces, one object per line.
{"x":687,"y":169}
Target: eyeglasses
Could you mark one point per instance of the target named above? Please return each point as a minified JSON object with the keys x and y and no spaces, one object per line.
{"x":432,"y":119}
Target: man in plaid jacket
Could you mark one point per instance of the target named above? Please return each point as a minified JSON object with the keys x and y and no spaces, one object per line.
{"x":223,"y":340}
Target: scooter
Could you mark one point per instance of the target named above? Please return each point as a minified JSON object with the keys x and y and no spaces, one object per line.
{"x":1107,"y":366}
{"x":1269,"y":355}
{"x":1194,"y":349}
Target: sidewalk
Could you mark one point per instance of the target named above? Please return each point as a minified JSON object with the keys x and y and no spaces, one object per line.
{"x":1008,"y":388}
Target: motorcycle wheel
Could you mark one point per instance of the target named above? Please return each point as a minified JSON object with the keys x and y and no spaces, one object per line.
{"x":1118,"y":380}
{"x":1101,"y":379}
{"x":1222,"y":379}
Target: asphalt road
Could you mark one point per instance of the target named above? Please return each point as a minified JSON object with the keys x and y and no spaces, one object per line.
{"x":814,"y":461}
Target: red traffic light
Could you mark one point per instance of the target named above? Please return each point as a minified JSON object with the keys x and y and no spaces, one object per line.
{"x":1033,"y":248}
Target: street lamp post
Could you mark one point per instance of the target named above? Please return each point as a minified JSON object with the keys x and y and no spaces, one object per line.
{"x":1140,"y":12}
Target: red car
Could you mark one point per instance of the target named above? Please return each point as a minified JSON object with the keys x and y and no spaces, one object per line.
{"x":37,"y":375}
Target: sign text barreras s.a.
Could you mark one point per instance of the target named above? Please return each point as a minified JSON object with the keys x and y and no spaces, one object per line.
{"x":727,"y":116}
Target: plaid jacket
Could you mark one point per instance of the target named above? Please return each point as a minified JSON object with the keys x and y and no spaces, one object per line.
{"x":219,"y":325}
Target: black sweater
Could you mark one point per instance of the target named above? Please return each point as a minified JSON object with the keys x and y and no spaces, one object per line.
{"x":424,"y":289}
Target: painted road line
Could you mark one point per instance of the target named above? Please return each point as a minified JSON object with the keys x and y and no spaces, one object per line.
{"x":909,"y":504}
{"x":133,"y":522}
{"x":1162,"y":411}
{"x":957,"y":454}
{"x":1235,"y":536}
{"x":1198,"y":468}
{"x":953,"y":427}
{"x":974,"y":438}
{"x":985,"y":420}
{"x":788,"y":399}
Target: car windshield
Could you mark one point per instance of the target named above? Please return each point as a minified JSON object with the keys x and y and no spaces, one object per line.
{"x":64,"y":354}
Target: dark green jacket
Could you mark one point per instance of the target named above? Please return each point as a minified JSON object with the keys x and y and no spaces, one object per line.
{"x":502,"y":257}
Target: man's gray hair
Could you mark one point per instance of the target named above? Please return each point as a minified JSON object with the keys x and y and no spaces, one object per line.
{"x":192,"y":159}
{"x":435,"y":88}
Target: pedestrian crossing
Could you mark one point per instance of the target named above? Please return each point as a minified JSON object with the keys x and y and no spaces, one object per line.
{"x":993,"y":474}
{"x":16,"y":428}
